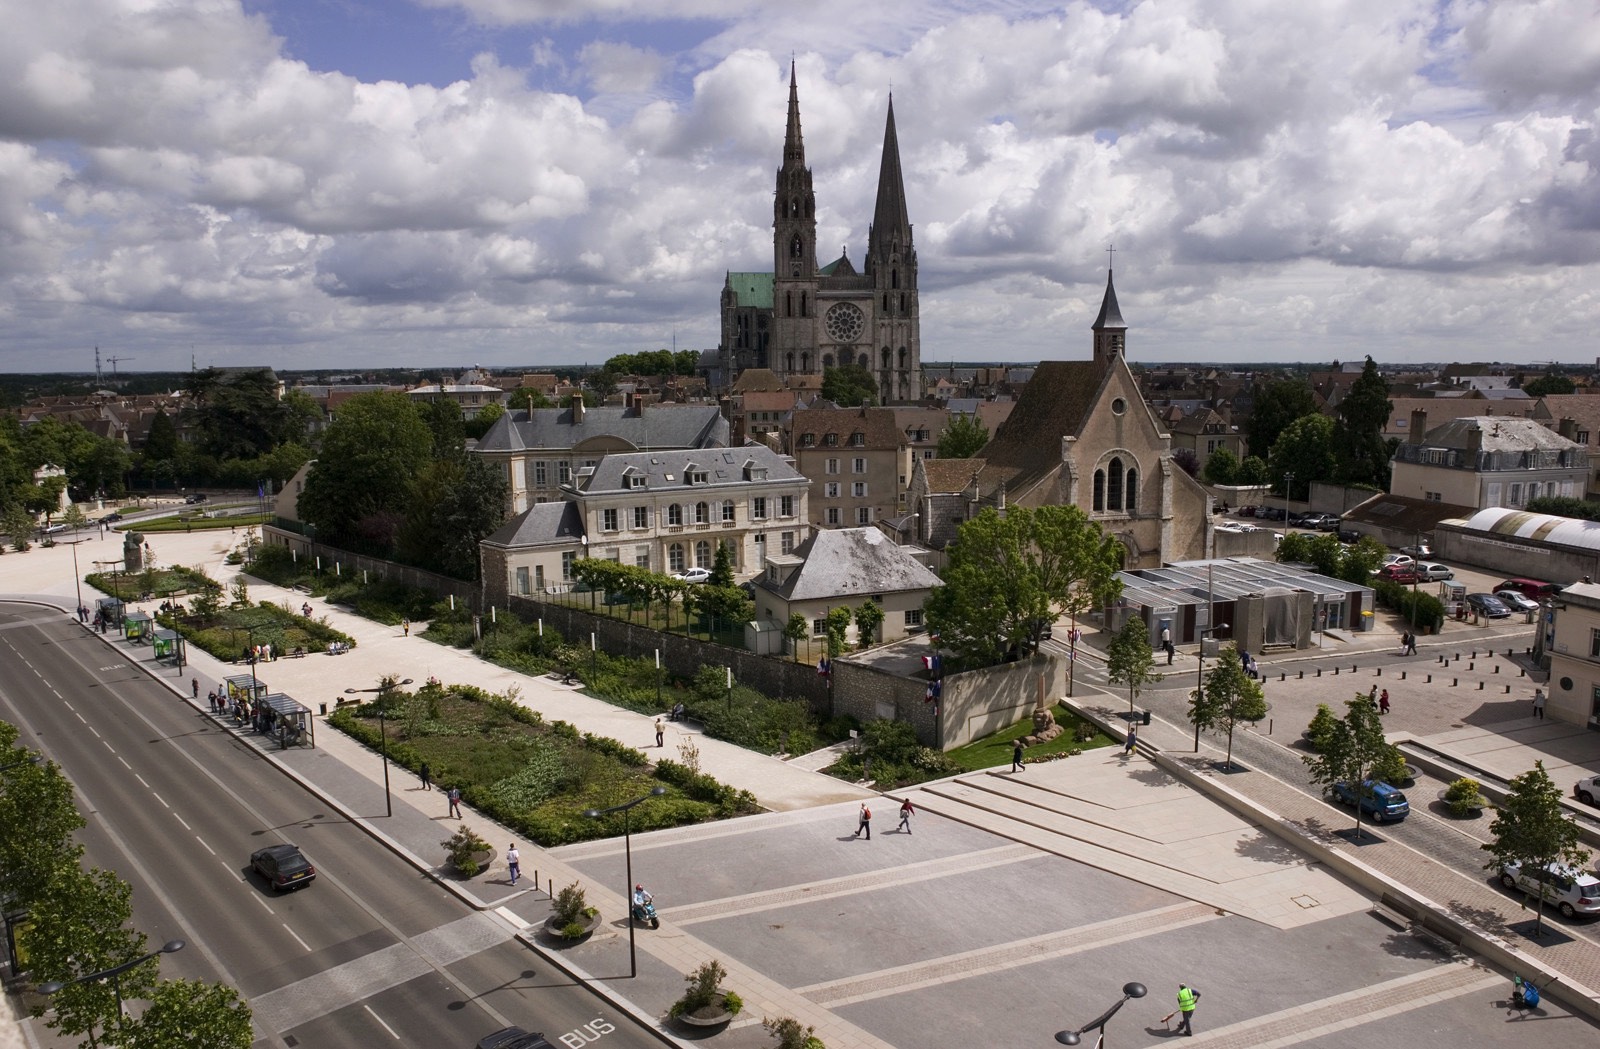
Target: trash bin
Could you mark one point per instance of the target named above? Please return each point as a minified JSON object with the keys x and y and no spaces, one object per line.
{"x":322,"y":708}
{"x":1145,"y":720}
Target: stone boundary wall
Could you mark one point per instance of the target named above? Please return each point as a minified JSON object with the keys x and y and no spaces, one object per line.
{"x":352,"y":565}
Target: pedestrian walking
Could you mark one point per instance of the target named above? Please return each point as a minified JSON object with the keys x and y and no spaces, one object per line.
{"x":454,"y":797}
{"x":1538,"y":703}
{"x":405,"y":627}
{"x":864,"y":822}
{"x":514,"y":862}
{"x":426,"y":775}
{"x":1172,"y":650}
{"x":1383,"y":702}
{"x":1016,"y":757}
{"x":1411,"y":643}
{"x":1187,"y":1000}
{"x":661,"y":733}
{"x":1132,"y":740}
{"x":907,"y":810}
{"x":194,"y":687}
{"x":1166,"y":643}
{"x":1372,"y":696}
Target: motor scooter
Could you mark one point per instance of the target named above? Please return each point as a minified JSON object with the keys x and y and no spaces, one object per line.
{"x":645,"y":914}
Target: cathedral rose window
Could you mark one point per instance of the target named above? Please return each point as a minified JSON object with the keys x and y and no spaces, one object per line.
{"x":845,"y":322}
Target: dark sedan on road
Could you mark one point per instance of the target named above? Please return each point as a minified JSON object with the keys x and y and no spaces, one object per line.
{"x":1488,"y":605}
{"x":514,"y":1038}
{"x":284,"y":866}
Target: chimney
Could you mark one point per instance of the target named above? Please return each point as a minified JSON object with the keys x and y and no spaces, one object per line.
{"x":627,"y":402}
{"x":1474,"y":443}
{"x":1419,"y":426}
{"x":1568,"y":428}
{"x":577,"y":407}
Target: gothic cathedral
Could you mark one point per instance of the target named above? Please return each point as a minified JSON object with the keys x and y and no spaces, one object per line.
{"x":803,"y":318}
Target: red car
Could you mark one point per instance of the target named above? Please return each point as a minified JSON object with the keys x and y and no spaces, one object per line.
{"x":1398,"y":573}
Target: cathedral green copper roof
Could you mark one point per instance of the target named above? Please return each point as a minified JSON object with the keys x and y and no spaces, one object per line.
{"x":752,"y":289}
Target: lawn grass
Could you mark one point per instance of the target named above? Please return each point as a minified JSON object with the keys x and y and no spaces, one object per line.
{"x":995,"y":750}
{"x":196,"y":523}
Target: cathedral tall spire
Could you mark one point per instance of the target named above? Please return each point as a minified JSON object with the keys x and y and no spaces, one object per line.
{"x":1110,"y":330}
{"x":794,"y":146}
{"x":891,"y":223}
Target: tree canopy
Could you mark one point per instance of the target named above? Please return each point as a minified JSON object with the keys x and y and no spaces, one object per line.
{"x":1305,"y":449}
{"x":1130,"y":660}
{"x":1531,"y":828}
{"x":1222,"y":467}
{"x":654,"y":362}
{"x":1360,"y":450}
{"x":849,"y":386}
{"x":963,"y":438}
{"x":1551,"y":382}
{"x":358,"y":489}
{"x":1350,"y":748}
{"x":1006,"y":576}
{"x":1226,"y":697}
{"x":1277,"y":404}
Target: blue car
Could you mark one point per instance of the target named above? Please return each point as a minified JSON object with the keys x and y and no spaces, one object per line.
{"x":1379,"y":800}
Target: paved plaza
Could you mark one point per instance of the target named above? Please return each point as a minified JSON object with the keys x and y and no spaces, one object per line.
{"x":1020,"y":903}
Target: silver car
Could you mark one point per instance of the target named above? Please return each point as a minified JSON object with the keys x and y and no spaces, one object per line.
{"x":1432,"y":571}
{"x":1517,"y":601}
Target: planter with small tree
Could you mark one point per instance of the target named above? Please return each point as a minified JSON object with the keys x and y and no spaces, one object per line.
{"x":467,"y":852}
{"x":788,"y":1033}
{"x":705,"y":1003}
{"x":572,"y":918}
{"x":1464,"y":799}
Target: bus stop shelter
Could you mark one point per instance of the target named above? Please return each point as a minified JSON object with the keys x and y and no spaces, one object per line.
{"x":288,"y":721}
{"x":110,"y":609}
{"x":136,"y":626}
{"x":245,"y":687}
{"x":168,"y":645}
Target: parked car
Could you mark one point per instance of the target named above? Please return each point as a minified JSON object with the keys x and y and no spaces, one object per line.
{"x":693,"y":575}
{"x":1399,"y":574}
{"x":1530,"y":588}
{"x":284,"y":866}
{"x":1396,"y":560}
{"x":514,"y":1038}
{"x":1320,"y":521}
{"x":1378,"y":800}
{"x":1572,"y":891}
{"x":1488,"y":605}
{"x":1432,"y":571}
{"x":198,"y":497}
{"x":1517,"y":601}
{"x":1349,"y":535}
{"x":1420,"y":550}
{"x":1271,"y":513}
{"x":1587,"y":789}
{"x":113,"y":517}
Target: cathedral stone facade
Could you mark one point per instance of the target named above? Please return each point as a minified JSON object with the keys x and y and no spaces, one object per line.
{"x":802,"y":318}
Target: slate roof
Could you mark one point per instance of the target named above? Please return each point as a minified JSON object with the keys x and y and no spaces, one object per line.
{"x":851,"y":562}
{"x":541,"y":524}
{"x":1500,"y":433}
{"x":677,"y":426}
{"x":948,"y":476}
{"x":1582,"y":409}
{"x":667,"y":470}
{"x":1027,"y":446}
{"x":752,"y":289}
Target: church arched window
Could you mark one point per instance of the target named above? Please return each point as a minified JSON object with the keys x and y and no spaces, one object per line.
{"x":805,"y":362}
{"x":789,"y":361}
{"x":803,"y":304}
{"x":883,"y":358}
{"x":902,"y":302}
{"x":894,"y":278}
{"x":796,"y":247}
{"x":1114,"y":484}
{"x":885,"y":302}
{"x":827,"y":360}
{"x":1099,"y":491}
{"x":788,"y":304}
{"x":902,"y":356}
{"x":1131,"y":499}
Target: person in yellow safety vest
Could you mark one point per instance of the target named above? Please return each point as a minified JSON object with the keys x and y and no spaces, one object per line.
{"x":1187,"y":999}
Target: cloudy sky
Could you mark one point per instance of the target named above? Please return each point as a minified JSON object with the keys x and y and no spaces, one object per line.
{"x":339,"y":183}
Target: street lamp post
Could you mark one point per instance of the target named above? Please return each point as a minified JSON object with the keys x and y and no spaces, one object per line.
{"x":25,"y":761}
{"x":1199,"y":673}
{"x":1288,"y":484}
{"x":77,"y":580}
{"x":1129,"y":990}
{"x":627,"y":852}
{"x":383,"y":691}
{"x":113,"y":974}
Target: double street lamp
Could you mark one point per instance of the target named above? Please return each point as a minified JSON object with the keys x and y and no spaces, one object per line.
{"x":383,"y":691}
{"x":1098,"y":1024}
{"x":113,"y":973}
{"x":627,"y":852}
{"x":34,"y":760}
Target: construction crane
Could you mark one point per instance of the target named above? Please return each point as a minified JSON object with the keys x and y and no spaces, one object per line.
{"x":114,"y":361}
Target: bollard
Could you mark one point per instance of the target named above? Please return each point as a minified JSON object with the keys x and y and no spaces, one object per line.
{"x":1523,"y":672}
{"x":1508,"y":690}
{"x":1319,"y":671}
{"x":1379,"y":673}
{"x":1429,"y":681}
{"x":1480,"y":686}
{"x":1441,"y":657}
{"x":1472,"y":666}
{"x":1281,"y":677}
{"x":1302,"y":676}
{"x":1454,"y":682}
{"x":1354,"y":668}
{"x":1497,"y":668}
{"x":1269,"y":726}
{"x":1402,"y":675}
{"x":1335,"y":671}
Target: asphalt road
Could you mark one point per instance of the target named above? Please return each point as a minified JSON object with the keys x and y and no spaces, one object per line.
{"x":372,"y":953}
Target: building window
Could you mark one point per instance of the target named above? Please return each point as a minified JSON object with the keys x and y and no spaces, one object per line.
{"x":831,"y":439}
{"x":641,"y":557}
{"x":1516,"y":494}
{"x":727,"y":510}
{"x":702,"y":554}
{"x":1492,"y":495}
{"x":563,"y":471}
{"x":641,"y":517}
{"x":786,"y":542}
{"x":608,"y":520}
{"x":675,"y":515}
{"x":819,"y":628}
{"x":807,"y":440}
{"x":675,"y":557}
{"x":539,"y":477}
{"x":913,"y":617}
{"x":831,"y":490}
{"x":858,"y":465}
{"x":567,"y":558}
{"x":1433,"y":497}
{"x":859,"y":489}
{"x":758,"y":508}
{"x":538,"y":577}
{"x":833,"y":515}
{"x":1582,"y":437}
{"x":1099,"y":491}
{"x":760,"y":539}
{"x":702,"y":513}
{"x":863,"y":515}
{"x":1131,"y":501}
{"x":522,"y":580}
{"x":614,"y":554}
{"x":832,"y":466}
{"x":1594,"y":644}
{"x":1114,"y":484}
{"x":785,"y":506}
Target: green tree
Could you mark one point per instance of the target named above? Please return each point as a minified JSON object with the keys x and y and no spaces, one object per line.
{"x":19,"y":526}
{"x":1550,"y":382}
{"x":1305,"y":449}
{"x":1252,"y":470}
{"x":80,"y":926}
{"x":37,"y":821}
{"x":1227,"y":697}
{"x":240,"y":415}
{"x":448,"y":427}
{"x":487,"y":416}
{"x":796,"y":630}
{"x":722,"y":566}
{"x":1007,"y":575}
{"x":1359,"y":446}
{"x":869,"y":617}
{"x":963,"y":438}
{"x":849,"y":386}
{"x":1222,"y":467}
{"x":1564,"y":506}
{"x":526,"y":398}
{"x":190,"y":1014}
{"x":1277,"y":404}
{"x":1323,"y":552}
{"x":1349,"y":749}
{"x":838,"y":620}
{"x":1532,"y":829}
{"x":161,"y":444}
{"x":370,"y":452}
{"x":1361,"y":561}
{"x":454,"y":504}
{"x":1130,"y":661}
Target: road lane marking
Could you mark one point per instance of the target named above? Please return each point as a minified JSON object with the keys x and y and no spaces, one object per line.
{"x":80,"y":717}
{"x":91,"y":730}
{"x":180,"y":820}
{"x":203,"y":845}
{"x":296,"y":936}
{"x":124,"y":762}
{"x":264,"y":904}
{"x":142,"y":783}
{"x":159,"y":798}
{"x":385,"y":1026}
{"x":109,"y":747}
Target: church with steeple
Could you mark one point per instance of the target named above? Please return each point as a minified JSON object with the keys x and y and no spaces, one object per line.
{"x":803,"y":318}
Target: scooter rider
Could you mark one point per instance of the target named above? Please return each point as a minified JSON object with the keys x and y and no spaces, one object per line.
{"x":641,"y":897}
